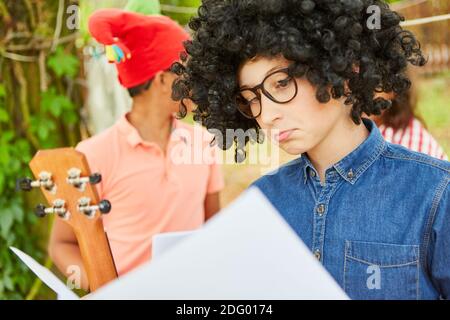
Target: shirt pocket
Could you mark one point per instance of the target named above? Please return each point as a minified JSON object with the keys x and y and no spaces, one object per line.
{"x":381,"y":271}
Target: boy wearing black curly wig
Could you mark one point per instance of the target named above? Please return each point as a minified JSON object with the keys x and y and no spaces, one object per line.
{"x":376,"y":215}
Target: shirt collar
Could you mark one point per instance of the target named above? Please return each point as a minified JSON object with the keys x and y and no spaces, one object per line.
{"x":353,"y":165}
{"x":134,"y":138}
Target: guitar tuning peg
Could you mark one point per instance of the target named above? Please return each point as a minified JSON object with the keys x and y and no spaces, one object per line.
{"x":58,"y":207}
{"x":95,"y":178}
{"x":24,"y":184}
{"x":45,"y":181}
{"x":84,"y":206}
{"x":40,"y":211}
{"x":74,"y":178}
{"x":105,"y":206}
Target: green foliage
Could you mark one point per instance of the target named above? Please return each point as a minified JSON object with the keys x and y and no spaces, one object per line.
{"x":63,"y":64}
{"x":182,"y":18}
{"x":54,"y":103}
{"x":147,"y":7}
{"x":433,"y":108}
{"x":49,"y":119}
{"x":15,"y":223}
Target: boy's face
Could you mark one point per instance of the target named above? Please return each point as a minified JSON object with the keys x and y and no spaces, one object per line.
{"x":301,"y":124}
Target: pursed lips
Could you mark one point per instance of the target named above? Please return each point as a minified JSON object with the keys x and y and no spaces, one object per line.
{"x":283,"y":135}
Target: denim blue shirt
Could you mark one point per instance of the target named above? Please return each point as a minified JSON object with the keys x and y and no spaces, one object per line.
{"x":380,"y":224}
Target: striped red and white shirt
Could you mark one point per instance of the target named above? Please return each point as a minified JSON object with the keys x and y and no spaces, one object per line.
{"x":414,"y":137}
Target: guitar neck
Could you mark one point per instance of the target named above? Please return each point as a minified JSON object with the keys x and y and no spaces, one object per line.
{"x":96,"y":254}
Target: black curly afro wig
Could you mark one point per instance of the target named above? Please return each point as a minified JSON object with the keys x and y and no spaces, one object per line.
{"x":327,"y":41}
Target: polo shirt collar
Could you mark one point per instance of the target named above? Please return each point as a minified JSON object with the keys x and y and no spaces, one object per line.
{"x":134,"y":138}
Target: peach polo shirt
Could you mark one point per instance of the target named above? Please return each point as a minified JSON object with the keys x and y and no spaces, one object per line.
{"x":151,"y":192}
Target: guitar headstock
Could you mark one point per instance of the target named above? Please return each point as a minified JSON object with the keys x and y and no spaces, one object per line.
{"x":65,"y":179}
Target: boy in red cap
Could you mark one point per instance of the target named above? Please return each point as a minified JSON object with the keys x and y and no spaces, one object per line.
{"x":150,"y":189}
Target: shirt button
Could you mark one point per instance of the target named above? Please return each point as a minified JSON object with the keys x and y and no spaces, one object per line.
{"x":312,"y":173}
{"x":318,"y":255}
{"x":350,"y":174}
{"x":320,"y":209}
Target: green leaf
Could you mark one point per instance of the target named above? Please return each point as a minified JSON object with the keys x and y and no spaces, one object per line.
{"x":63,"y":64}
{"x":22,"y":151}
{"x":10,"y":239}
{"x":7,"y":136}
{"x":55,"y":104}
{"x":43,"y":132}
{"x":70,"y":117}
{"x":4,"y":116}
{"x":2,"y":91}
{"x":14,"y":166}
{"x":7,"y":281}
{"x":4,"y":155}
{"x":17,"y":212}
{"x":6,"y":222}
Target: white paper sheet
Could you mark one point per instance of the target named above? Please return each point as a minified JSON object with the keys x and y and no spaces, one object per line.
{"x":47,"y":277}
{"x":163,"y":242}
{"x":246,"y":252}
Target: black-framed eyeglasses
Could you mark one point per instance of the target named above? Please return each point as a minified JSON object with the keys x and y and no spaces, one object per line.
{"x":278,"y":86}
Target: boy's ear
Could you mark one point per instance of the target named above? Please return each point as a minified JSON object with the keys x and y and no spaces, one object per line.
{"x":159,"y":78}
{"x":163,"y":81}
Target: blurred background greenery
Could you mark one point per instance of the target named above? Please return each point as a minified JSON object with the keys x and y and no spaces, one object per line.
{"x":42,"y":101}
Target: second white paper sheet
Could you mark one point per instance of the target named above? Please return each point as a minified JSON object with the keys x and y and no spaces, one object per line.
{"x":163,"y":242}
{"x":247,"y":252}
